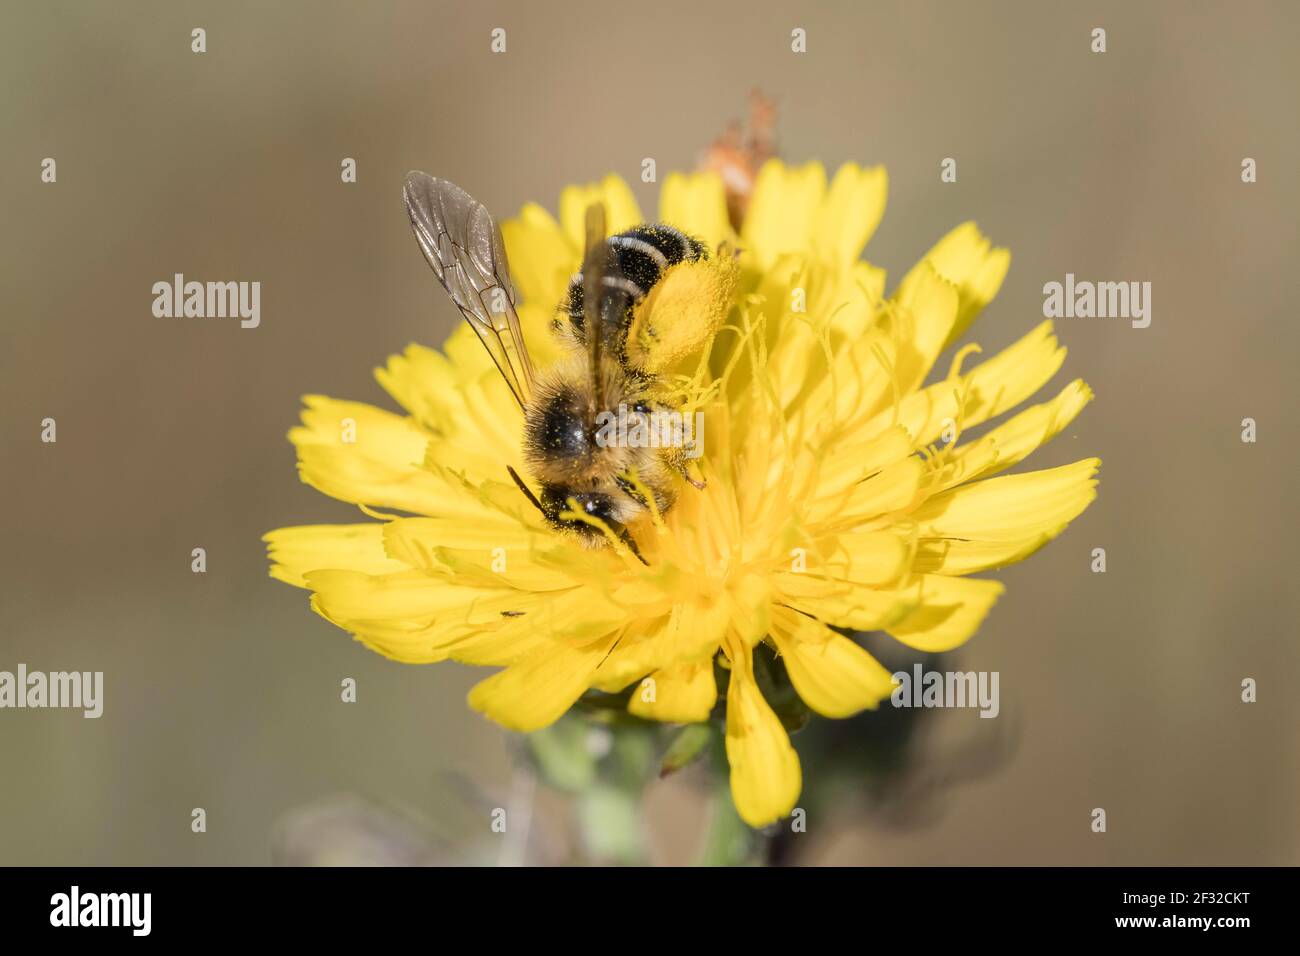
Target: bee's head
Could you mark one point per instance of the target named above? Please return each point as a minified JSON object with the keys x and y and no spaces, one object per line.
{"x":564,"y":443}
{"x":556,"y":429}
{"x":593,"y":504}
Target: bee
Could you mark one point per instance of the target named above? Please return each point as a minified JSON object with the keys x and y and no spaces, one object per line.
{"x":603,"y":369}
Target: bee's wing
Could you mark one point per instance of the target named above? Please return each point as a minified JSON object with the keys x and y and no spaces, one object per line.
{"x":596,"y":265}
{"x":463,"y":245}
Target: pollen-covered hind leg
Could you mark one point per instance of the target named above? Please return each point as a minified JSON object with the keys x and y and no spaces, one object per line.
{"x":682,"y":465}
{"x":625,"y":536}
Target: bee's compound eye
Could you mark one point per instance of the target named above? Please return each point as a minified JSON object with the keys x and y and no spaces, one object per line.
{"x":641,"y":408}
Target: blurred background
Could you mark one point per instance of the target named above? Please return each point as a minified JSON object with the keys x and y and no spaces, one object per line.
{"x":1119,"y":690}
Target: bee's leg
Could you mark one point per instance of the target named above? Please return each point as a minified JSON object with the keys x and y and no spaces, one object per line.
{"x":679,"y":461}
{"x":631,"y":490}
{"x":625,"y":536}
{"x":684,"y":468}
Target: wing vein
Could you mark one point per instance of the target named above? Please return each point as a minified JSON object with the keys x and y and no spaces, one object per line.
{"x":464,"y":248}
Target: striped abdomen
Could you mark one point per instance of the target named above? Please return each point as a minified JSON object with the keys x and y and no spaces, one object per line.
{"x":638,"y":258}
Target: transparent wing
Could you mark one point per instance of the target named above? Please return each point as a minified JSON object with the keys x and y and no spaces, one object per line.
{"x":595,"y":267}
{"x":607,"y":299}
{"x":463,"y":245}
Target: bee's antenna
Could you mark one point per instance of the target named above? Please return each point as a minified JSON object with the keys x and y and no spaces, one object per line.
{"x":528,"y":493}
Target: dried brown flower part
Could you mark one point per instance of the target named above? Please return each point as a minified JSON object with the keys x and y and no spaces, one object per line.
{"x":740,"y":151}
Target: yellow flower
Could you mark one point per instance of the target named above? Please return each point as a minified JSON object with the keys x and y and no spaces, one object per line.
{"x":839,"y":493}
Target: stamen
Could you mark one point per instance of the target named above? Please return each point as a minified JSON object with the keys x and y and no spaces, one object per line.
{"x":880,"y":357}
{"x":379,"y":515}
{"x":954,"y":369}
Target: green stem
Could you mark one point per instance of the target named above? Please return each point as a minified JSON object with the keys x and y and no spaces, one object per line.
{"x":609,"y":812}
{"x":729,"y":841}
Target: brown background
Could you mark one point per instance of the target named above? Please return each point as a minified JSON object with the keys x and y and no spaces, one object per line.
{"x":222,"y":689}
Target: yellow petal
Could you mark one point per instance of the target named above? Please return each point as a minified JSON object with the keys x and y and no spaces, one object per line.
{"x":423,"y":382}
{"x":966,"y":258}
{"x":986,"y":391}
{"x":421,"y":621}
{"x":1012,"y":507}
{"x":946,"y":556}
{"x":491,"y":551}
{"x":833,"y":675}
{"x":863,"y":391}
{"x":783,"y":209}
{"x":459,"y":397}
{"x":621,"y":209}
{"x":364,"y":455}
{"x":412,"y":540}
{"x":536,"y":692}
{"x":525,"y":570}
{"x":355,"y":547}
{"x":765,"y":774}
{"x":948,"y":612}
{"x":683,"y":694}
{"x":848,"y":463}
{"x":924,"y":311}
{"x":402,"y":595}
{"x":894,"y":488}
{"x":841,"y":605}
{"x":696,"y":203}
{"x":1013,"y":440}
{"x":418,"y":642}
{"x":694,"y":630}
{"x":638,"y":652}
{"x":1000,"y":520}
{"x":542,"y":257}
{"x":859,"y":300}
{"x":850,"y":212}
{"x":381,"y":434}
{"x":544,"y":346}
{"x":746,"y":605}
{"x":861,"y":557}
{"x":1011,"y":376}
